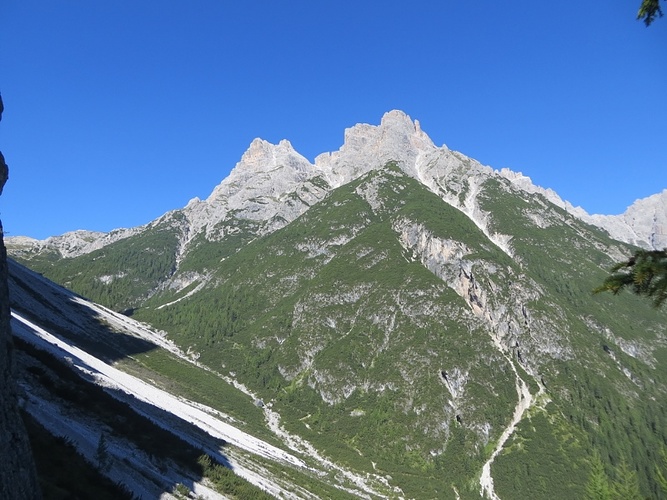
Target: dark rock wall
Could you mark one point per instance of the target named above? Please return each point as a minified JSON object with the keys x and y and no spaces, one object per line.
{"x":17,"y":470}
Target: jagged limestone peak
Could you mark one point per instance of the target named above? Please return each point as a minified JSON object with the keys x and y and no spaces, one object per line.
{"x":367,"y":147}
{"x":400,"y":123}
{"x":256,"y":190}
{"x":262,"y":155}
{"x":644,"y":223}
{"x":648,"y":218}
{"x":267,"y":173}
{"x":266,"y":169}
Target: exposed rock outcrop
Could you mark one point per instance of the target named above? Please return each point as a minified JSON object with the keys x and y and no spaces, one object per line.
{"x":17,"y":470}
{"x":644,"y":223}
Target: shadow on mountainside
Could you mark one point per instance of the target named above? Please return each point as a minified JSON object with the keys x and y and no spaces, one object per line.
{"x":69,"y":316}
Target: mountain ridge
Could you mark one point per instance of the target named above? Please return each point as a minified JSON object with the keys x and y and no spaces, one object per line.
{"x":266,"y":173}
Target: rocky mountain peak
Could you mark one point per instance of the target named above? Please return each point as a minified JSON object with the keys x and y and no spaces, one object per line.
{"x":257,"y":186}
{"x":644,"y":223}
{"x":254,"y":189}
{"x":367,"y":147}
{"x":262,"y":155}
{"x":648,"y":218}
{"x":398,"y":122}
{"x":268,"y":166}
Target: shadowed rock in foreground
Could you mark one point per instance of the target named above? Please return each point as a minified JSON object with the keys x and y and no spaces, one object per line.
{"x":17,"y":470}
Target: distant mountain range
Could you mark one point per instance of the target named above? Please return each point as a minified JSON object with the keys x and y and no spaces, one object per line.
{"x":417,"y":318}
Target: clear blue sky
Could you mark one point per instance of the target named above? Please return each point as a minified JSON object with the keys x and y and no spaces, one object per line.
{"x":118,"y":111}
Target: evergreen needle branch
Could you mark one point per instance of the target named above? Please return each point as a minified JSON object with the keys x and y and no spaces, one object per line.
{"x":644,"y":273}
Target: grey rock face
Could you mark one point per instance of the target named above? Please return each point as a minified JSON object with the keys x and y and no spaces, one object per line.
{"x":644,"y":223}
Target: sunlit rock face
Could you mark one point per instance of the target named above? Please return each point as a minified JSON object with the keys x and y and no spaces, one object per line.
{"x":644,"y":223}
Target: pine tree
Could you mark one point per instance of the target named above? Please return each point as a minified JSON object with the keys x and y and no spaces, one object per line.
{"x":597,"y":487}
{"x":205,"y":462}
{"x":626,"y":485}
{"x":661,"y":471}
{"x":649,"y":11}
{"x":102,"y":454}
{"x":645,"y":273}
